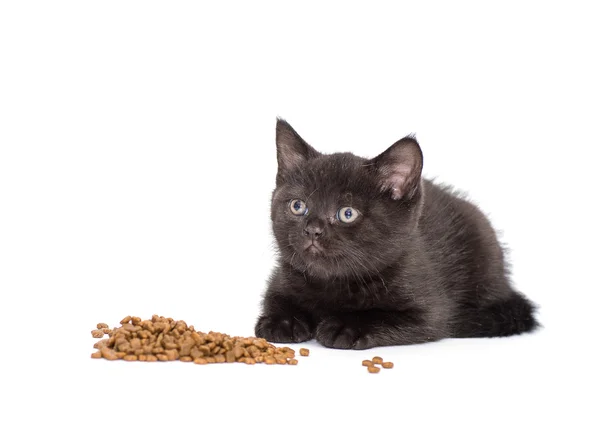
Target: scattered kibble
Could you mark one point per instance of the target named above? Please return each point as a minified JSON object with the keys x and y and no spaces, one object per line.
{"x":304,"y":352}
{"x":165,"y":339}
{"x":370,"y":364}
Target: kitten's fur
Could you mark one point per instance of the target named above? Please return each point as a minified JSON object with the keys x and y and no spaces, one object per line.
{"x":418,"y":264}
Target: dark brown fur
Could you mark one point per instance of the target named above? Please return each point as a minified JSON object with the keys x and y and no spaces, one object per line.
{"x":419,"y":264}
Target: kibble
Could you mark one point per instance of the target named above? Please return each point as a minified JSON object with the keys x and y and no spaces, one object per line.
{"x":367,"y":363}
{"x":387,"y":365}
{"x":304,"y":352}
{"x":373,"y":369}
{"x":165,"y":339}
{"x":377,"y":360}
{"x":97,"y":333}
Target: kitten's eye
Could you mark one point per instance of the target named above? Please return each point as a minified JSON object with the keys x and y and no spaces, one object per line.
{"x":347,"y":214}
{"x":298,"y":207}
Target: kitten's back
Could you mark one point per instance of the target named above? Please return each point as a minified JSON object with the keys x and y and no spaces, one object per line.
{"x":463,"y":246}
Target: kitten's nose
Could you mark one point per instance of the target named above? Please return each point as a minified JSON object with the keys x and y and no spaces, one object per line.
{"x":314,"y":228}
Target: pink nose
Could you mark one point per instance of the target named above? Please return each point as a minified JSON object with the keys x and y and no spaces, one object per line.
{"x":314,"y":228}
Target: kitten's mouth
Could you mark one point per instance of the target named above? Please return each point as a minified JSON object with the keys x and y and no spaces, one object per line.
{"x":314,"y":249}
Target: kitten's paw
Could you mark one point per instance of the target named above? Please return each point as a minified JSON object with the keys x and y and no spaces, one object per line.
{"x":283,"y":329}
{"x":334,"y":332}
{"x":364,"y":342}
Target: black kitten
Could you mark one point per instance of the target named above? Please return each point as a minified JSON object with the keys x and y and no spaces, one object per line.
{"x":371,"y":254}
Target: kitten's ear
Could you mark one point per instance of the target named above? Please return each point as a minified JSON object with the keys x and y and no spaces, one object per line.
{"x":399,"y":168}
{"x":292,"y":151}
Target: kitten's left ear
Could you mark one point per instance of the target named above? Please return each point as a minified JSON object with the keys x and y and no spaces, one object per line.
{"x":399,"y":168}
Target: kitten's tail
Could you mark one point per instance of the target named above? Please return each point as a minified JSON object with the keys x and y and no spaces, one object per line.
{"x":512,"y":316}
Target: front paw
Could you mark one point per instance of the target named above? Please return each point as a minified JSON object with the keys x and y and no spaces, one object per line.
{"x":280,"y":329}
{"x":335,"y":332}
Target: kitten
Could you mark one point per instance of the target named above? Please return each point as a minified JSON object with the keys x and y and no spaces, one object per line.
{"x":371,"y":254}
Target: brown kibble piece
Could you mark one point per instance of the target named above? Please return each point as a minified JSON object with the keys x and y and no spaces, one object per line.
{"x":293,"y":361}
{"x":200,"y":361}
{"x":304,"y":352}
{"x":97,"y":333}
{"x":377,"y":360}
{"x":101,"y":343}
{"x":126,"y":320}
{"x":108,"y":353}
{"x":367,"y":363}
{"x":130,"y":358}
{"x":101,"y":326}
{"x":195,"y":353}
{"x":238,"y":351}
{"x":171,"y":354}
{"x":373,"y":369}
{"x":97,"y":354}
{"x":185,"y":359}
{"x":387,"y":364}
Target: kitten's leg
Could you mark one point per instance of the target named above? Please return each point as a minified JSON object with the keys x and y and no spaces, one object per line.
{"x":368,"y":329}
{"x":282,"y":321}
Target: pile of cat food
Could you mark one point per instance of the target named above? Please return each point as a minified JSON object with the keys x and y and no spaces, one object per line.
{"x":165,"y":339}
{"x":370,"y":364}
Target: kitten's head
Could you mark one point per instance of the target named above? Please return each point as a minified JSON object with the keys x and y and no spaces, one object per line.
{"x":341,"y":215}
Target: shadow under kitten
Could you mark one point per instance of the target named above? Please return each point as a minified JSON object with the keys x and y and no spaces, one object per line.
{"x":371,"y":254}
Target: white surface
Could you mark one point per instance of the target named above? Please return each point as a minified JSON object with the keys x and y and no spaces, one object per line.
{"x":136,"y":163}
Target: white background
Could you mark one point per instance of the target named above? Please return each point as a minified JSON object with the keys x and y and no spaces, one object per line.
{"x":137,"y":159}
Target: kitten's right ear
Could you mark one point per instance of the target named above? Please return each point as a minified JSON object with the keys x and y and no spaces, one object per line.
{"x":292,"y":150}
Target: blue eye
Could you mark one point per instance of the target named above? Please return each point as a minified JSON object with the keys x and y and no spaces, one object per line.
{"x":347,"y":214}
{"x":298,"y":207}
